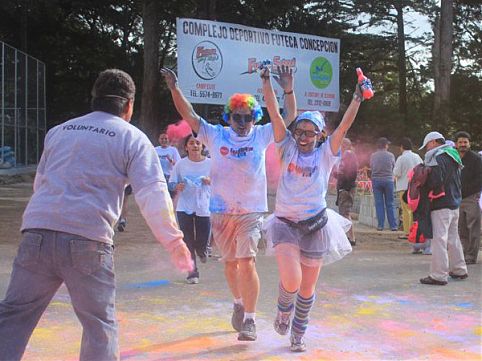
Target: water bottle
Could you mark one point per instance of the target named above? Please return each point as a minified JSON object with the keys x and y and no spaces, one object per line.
{"x":365,"y":84}
{"x":264,"y":64}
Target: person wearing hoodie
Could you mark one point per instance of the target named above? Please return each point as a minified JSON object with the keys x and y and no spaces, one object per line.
{"x":444,"y":180}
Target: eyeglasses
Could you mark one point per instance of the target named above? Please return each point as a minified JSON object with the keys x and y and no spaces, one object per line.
{"x":307,"y":133}
{"x":242,"y":119}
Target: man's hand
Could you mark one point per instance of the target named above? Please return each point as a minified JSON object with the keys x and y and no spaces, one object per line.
{"x":181,"y":257}
{"x":264,"y":74}
{"x":169,"y":77}
{"x":206,"y":180}
{"x":284,"y":78}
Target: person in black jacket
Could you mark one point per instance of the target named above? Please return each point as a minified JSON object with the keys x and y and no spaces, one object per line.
{"x":469,"y":221}
{"x":444,"y":182}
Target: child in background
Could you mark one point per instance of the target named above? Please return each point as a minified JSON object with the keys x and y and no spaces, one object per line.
{"x":190,"y":179}
{"x":168,"y":155}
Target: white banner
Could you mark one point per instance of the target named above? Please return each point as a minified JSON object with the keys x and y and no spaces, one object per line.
{"x":216,"y":60}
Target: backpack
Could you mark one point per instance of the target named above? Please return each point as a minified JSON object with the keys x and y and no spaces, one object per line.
{"x":416,"y":180}
{"x":415,"y":235}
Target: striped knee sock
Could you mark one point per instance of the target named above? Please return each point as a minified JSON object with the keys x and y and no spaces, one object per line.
{"x":285,"y":299}
{"x":302,"y":309}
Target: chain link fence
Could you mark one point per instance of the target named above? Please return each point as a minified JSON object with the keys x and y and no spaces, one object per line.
{"x":22,"y":108}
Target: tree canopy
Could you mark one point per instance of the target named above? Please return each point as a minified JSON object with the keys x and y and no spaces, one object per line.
{"x":79,"y":38}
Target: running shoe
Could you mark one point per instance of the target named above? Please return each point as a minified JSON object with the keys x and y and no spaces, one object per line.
{"x":297,"y":343}
{"x":248,"y":331}
{"x":282,"y":322}
{"x":192,"y":280}
{"x":122,"y":224}
{"x":238,"y":316}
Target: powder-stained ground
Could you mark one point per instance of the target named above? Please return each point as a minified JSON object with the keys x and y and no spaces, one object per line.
{"x":370,"y":305}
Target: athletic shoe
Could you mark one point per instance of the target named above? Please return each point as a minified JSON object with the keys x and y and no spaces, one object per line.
{"x":458,"y":277}
{"x":297,"y":343}
{"x":122,"y":224}
{"x":192,"y":280}
{"x":237,"y":317}
{"x":282,"y":322}
{"x":430,"y":281}
{"x":248,"y":331}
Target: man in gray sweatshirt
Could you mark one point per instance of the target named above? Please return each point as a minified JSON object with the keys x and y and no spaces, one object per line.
{"x":381,"y":164}
{"x":67,"y":227}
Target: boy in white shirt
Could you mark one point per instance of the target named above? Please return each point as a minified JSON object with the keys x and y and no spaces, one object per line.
{"x":168,"y":155}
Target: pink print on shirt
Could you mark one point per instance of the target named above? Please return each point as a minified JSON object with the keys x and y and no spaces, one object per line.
{"x":302,"y":171}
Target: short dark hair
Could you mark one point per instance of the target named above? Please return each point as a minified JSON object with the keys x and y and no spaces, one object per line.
{"x":382,"y":142}
{"x":112,"y":90}
{"x":462,"y":134}
{"x":406,"y":143}
{"x":440,"y":140}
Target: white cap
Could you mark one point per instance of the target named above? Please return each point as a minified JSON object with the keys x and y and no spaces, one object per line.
{"x":431,"y":136}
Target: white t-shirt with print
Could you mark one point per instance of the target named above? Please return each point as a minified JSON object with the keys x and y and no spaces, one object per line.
{"x":168,"y":157}
{"x":195,"y":196}
{"x":81,"y":176}
{"x":238,"y":171}
{"x":304,"y":179}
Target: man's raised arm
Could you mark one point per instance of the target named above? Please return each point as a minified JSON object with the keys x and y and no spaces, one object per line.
{"x":182,"y":105}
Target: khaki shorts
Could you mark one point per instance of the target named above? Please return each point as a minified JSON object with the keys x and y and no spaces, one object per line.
{"x":236,"y":236}
{"x":345,"y":202}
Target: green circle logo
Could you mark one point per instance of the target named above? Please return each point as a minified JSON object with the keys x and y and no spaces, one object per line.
{"x":321,"y":72}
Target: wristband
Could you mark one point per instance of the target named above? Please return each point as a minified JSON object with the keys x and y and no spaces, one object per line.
{"x":288,"y":93}
{"x":357,"y":98}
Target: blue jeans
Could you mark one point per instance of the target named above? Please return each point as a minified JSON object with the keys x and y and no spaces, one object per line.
{"x":384,"y":198}
{"x":196,"y":231}
{"x":425,"y":247}
{"x":45,"y":260}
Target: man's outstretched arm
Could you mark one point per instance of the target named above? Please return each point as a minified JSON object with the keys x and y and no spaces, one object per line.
{"x":182,"y":105}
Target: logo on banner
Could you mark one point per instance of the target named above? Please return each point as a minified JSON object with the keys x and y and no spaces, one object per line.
{"x":254,"y":64}
{"x":207,"y":60}
{"x":321,"y":72}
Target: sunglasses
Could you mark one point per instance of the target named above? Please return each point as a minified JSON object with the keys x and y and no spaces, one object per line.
{"x":242,"y":119}
{"x":307,"y":133}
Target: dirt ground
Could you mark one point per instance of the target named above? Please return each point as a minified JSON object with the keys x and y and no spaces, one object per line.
{"x":370,"y":305}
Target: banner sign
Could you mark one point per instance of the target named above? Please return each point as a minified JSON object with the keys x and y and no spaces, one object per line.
{"x":216,"y":60}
